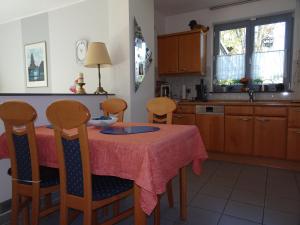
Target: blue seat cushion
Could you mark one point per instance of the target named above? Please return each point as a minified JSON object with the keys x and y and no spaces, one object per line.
{"x":49,"y":176}
{"x":108,"y":186}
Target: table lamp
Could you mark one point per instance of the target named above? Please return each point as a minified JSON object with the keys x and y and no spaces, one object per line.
{"x":97,"y":56}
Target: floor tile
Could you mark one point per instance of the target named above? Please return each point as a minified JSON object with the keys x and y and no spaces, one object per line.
{"x":223,"y":181}
{"x":216,"y":191}
{"x":249,"y":197}
{"x":272,"y":217}
{"x":209,"y":203}
{"x":229,"y":220}
{"x":283,"y":205}
{"x":244,"y":211}
{"x":198,"y":216}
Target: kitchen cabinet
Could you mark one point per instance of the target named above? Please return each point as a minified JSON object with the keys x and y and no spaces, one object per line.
{"x":211,"y":128}
{"x":182,"y":53}
{"x":293,"y":140}
{"x":270,"y":137}
{"x":184,"y":119}
{"x":239,"y":134}
{"x":294,"y":117}
{"x":293,"y":143}
{"x":168,"y":54}
{"x":184,"y":115}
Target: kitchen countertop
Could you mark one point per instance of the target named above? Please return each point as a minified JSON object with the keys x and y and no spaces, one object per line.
{"x":243,"y":102}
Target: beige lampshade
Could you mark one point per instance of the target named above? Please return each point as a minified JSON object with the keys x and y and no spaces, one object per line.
{"x":97,"y":54}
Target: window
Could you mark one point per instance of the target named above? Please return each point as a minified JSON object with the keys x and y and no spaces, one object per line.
{"x":257,"y":49}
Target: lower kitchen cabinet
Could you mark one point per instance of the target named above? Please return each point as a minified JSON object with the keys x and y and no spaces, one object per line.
{"x":184,"y":119}
{"x":293,"y":144}
{"x":211,"y":128}
{"x":239,"y":135}
{"x":270,"y":137}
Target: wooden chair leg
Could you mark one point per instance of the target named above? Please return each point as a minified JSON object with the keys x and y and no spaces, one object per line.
{"x":157,"y":212}
{"x":35,"y":214}
{"x":87,"y":216}
{"x":95,"y":217}
{"x":170,"y":194}
{"x":15,"y":208}
{"x":26,"y":212}
{"x":183,"y":193}
{"x":116,"y":208}
{"x":64,"y":215}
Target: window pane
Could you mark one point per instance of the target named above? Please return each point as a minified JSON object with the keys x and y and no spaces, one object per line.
{"x":269,"y":52}
{"x":231,"y":54}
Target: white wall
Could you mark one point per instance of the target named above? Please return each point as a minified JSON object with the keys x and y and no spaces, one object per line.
{"x":86,"y":20}
{"x":11,"y":58}
{"x":178,"y":23}
{"x":119,"y":50}
{"x":143,"y":11}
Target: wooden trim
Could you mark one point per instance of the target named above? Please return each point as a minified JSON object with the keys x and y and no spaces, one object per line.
{"x":180,"y":33}
{"x":256,"y":161}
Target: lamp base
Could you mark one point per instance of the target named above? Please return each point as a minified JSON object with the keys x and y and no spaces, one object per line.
{"x":100,"y":91}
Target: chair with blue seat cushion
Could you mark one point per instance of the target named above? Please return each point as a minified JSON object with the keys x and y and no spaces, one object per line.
{"x":80,"y":190}
{"x":30,"y":182}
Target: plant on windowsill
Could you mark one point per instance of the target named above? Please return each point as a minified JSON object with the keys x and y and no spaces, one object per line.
{"x":244,"y":81}
{"x":258,"y":82}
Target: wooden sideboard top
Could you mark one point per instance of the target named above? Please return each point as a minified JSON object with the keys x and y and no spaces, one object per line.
{"x":243,"y":103}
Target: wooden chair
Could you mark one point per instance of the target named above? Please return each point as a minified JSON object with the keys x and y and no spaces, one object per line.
{"x":80,"y":190}
{"x":160,"y":110}
{"x":30,"y":182}
{"x":115,"y":106}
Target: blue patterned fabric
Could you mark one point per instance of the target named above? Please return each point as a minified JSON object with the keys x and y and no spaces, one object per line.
{"x":22,"y":157}
{"x":102,"y":186}
{"x":48,"y":176}
{"x":108,"y":186}
{"x":73,"y":164}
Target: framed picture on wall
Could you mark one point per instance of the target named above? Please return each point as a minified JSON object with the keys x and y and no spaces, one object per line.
{"x":36,"y":65}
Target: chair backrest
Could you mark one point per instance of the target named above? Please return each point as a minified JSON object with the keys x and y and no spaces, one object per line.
{"x":69,"y":120}
{"x":115,"y":106}
{"x":18,"y":118}
{"x":160,"y":110}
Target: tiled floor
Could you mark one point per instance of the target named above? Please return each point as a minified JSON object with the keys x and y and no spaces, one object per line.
{"x":232,"y":194}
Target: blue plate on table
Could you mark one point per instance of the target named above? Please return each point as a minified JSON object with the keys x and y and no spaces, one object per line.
{"x":129,"y":130}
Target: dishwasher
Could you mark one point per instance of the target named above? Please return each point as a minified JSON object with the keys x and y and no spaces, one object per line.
{"x":210,"y":121}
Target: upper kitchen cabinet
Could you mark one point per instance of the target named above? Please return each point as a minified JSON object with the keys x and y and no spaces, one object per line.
{"x":182,"y":53}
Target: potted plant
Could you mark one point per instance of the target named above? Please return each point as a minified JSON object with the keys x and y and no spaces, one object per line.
{"x":258,"y":82}
{"x":244,"y":81}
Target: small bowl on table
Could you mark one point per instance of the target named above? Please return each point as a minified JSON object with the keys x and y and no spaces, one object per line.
{"x":103,"y":121}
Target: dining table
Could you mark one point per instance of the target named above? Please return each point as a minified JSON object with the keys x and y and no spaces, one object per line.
{"x":150,"y":159}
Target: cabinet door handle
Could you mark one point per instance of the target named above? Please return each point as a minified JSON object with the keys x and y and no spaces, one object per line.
{"x":297,"y":132}
{"x":245,"y":119}
{"x":262,"y":120}
{"x":297,"y":110}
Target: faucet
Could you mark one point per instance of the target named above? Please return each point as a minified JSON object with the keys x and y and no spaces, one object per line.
{"x":251,"y":95}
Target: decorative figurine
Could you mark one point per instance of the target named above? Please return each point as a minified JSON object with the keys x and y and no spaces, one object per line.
{"x":80,"y":84}
{"x":195,"y":26}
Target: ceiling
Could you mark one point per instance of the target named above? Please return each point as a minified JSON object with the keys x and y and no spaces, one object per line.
{"x":16,"y":9}
{"x":171,"y":7}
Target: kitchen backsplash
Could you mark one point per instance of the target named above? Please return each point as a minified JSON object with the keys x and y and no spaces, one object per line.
{"x":190,"y":81}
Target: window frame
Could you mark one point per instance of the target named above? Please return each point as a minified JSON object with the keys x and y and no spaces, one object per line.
{"x":250,"y":24}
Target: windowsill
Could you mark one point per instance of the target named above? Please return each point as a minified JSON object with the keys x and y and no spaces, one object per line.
{"x":240,"y":92}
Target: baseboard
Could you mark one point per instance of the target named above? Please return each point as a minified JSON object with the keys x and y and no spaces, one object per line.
{"x":5,"y":206}
{"x":257,"y":161}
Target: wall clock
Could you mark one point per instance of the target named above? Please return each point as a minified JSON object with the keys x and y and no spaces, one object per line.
{"x":81,"y":50}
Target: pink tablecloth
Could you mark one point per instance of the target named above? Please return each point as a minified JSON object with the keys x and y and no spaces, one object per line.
{"x":150,"y":159}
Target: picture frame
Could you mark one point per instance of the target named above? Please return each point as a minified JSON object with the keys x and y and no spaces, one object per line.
{"x":36,"y":64}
